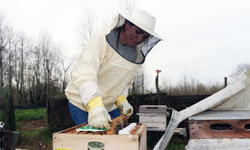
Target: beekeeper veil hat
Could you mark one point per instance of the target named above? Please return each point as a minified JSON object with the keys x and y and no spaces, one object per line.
{"x":145,"y":21}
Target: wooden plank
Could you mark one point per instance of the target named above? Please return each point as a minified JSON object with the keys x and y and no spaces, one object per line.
{"x":152,"y":114}
{"x":152,"y":118}
{"x":155,"y":129}
{"x":135,"y":130}
{"x":142,"y":132}
{"x":111,"y":142}
{"x":219,"y":129}
{"x":141,"y":129}
{"x":156,"y":126}
{"x":218,"y":144}
{"x":153,"y":109}
{"x":71,"y":129}
{"x":159,"y":125}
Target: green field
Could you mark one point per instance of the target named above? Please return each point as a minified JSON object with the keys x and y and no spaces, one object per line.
{"x":28,"y":114}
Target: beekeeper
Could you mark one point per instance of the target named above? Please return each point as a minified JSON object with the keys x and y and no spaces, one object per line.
{"x":106,"y":67}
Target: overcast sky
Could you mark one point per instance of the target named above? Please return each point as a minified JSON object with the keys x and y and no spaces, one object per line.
{"x":206,"y":39}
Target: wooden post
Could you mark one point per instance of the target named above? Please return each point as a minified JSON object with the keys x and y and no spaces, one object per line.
{"x":157,"y":86}
{"x":225,"y":81}
{"x":11,"y":116}
{"x":1,"y":64}
{"x":47,"y":94}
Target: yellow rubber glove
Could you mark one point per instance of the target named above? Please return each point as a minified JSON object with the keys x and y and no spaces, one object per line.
{"x":98,"y":115}
{"x":124,"y":106}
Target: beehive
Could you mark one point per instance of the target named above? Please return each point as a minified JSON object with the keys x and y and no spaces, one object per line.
{"x":219,"y":130}
{"x":154,"y":116}
{"x":70,"y":139}
{"x":220,"y":124}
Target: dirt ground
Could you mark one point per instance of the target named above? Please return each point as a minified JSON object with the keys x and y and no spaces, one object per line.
{"x":31,"y":125}
{"x":36,"y":144}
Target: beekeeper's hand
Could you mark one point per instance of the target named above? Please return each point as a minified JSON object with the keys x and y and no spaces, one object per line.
{"x":124,"y":106}
{"x":98,"y":115}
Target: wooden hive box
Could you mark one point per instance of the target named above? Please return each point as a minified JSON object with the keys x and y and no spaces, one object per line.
{"x":220,"y":124}
{"x":70,"y":139}
{"x":154,"y":116}
{"x":219,"y":130}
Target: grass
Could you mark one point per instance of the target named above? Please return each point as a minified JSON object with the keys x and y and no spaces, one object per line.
{"x":32,"y":139}
{"x":22,"y":115}
{"x":30,"y":114}
{"x":37,"y":138}
{"x":176,"y":143}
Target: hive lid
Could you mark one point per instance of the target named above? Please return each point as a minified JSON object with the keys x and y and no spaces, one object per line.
{"x":153,"y":109}
{"x":222,"y":115}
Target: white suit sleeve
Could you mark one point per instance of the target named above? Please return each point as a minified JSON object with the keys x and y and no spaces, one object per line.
{"x":84,"y":74}
{"x":88,"y":90}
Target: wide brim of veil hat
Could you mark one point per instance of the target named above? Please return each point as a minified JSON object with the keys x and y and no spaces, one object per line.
{"x":143,"y":20}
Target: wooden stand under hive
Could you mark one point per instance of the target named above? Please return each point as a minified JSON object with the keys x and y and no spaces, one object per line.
{"x":219,"y":130}
{"x":70,"y":139}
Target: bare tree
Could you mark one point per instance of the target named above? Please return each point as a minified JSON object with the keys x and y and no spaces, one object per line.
{"x":127,"y":6}
{"x":89,"y":22}
{"x":190,"y":85}
{"x":240,"y":68}
{"x":6,"y":34}
{"x":28,"y":71}
{"x":2,"y":47}
{"x":21,"y":38}
{"x":108,"y":18}
{"x":41,"y":53}
{"x":34,"y":64}
{"x":37,"y":56}
{"x":86,"y":26}
{"x":47,"y":49}
{"x":11,"y":119}
{"x":65,"y":63}
{"x":15,"y":61}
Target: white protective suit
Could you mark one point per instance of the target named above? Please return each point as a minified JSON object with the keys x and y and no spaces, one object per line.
{"x":101,"y":71}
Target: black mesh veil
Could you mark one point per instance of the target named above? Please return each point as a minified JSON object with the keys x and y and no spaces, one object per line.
{"x":146,"y":48}
{"x":136,"y":55}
